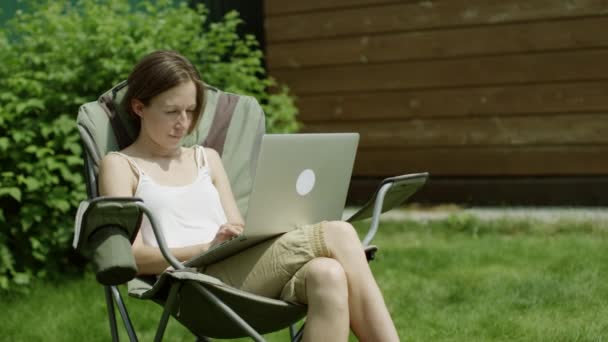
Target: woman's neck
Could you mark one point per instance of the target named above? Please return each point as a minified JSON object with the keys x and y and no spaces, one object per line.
{"x":150,"y":149}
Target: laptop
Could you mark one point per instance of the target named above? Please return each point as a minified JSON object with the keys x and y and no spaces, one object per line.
{"x":299,"y":179}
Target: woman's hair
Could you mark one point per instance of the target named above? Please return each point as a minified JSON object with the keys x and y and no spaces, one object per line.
{"x":158,"y":72}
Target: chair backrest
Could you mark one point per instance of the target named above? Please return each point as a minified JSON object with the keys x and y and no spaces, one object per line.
{"x":231,"y":124}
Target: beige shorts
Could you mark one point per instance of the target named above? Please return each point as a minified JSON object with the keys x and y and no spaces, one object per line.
{"x":275,"y":268}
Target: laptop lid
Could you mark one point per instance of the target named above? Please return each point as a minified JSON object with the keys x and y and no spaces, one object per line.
{"x":300,"y":179}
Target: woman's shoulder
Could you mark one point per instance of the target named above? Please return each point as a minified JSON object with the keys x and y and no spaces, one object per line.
{"x":116,"y":176}
{"x":212,"y":155}
{"x":114,"y":161}
{"x":211,"y":160}
{"x":210,"y":151}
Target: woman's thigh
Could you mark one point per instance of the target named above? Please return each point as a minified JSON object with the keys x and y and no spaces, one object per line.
{"x":266,"y":268}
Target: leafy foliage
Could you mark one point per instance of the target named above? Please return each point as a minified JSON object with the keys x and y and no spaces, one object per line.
{"x":56,"y":57}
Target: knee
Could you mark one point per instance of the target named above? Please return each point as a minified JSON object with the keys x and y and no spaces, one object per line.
{"x":326,"y":280}
{"x":341,"y":230}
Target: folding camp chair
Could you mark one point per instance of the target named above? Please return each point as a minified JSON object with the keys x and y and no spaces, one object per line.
{"x":105,"y":226}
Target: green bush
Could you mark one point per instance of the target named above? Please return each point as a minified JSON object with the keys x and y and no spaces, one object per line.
{"x":56,"y":57}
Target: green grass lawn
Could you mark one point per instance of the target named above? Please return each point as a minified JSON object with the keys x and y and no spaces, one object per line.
{"x":458,"y":279}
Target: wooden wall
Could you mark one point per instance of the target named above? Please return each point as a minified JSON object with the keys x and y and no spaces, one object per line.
{"x":459,"y":88}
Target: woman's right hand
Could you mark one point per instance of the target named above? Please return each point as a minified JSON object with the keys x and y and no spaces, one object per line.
{"x":226,"y":232}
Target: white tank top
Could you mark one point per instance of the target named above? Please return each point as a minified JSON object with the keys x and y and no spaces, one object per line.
{"x":188,"y":214}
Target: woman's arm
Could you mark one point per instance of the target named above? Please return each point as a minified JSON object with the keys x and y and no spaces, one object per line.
{"x":221,"y":182}
{"x":117,"y":178}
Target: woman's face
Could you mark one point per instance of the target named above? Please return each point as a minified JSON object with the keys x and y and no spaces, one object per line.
{"x":168,"y":116}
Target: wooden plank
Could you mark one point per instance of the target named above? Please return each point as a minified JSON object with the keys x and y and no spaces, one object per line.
{"x":278,"y":7}
{"x":423,"y":15}
{"x":491,"y":101}
{"x":487,"y":131}
{"x":484,"y":161}
{"x":455,"y":42}
{"x":501,"y":191}
{"x":475,"y":71}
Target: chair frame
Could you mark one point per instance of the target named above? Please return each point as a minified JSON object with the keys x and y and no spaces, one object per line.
{"x":113,"y":296}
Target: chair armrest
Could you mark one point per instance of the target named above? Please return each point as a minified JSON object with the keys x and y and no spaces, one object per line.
{"x":105,"y":228}
{"x":104,"y":231}
{"x":101,"y":212}
{"x":391,"y":193}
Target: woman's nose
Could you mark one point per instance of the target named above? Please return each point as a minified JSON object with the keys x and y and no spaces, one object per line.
{"x":183,"y":118}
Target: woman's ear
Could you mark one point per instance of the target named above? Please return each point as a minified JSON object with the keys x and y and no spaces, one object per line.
{"x":138,"y":107}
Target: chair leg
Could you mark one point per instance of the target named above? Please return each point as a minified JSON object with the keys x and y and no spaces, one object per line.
{"x":124,"y":314}
{"x":164,"y":319}
{"x":298,"y":336}
{"x":111,"y":313}
{"x":292,"y":331}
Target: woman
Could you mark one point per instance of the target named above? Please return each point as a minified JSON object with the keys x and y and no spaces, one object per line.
{"x":322,"y":265}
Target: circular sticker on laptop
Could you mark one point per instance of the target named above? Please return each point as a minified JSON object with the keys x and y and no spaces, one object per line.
{"x":305,"y":182}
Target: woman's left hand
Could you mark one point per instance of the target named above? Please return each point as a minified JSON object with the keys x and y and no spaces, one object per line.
{"x":235,"y":227}
{"x":227,"y":231}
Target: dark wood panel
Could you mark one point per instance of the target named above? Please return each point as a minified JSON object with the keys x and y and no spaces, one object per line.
{"x":423,"y":15}
{"x":501,"y":191}
{"x":477,"y":71}
{"x":508,"y":100}
{"x":277,"y":7}
{"x":490,"y":131}
{"x":481,"y":40}
{"x":484,"y":161}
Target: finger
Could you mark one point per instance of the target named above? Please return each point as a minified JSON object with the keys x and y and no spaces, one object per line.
{"x":235,"y":225}
{"x":226,"y":228}
{"x":224,"y":232}
{"x":233,"y":228}
{"x":234,"y":231}
{"x":228,"y":231}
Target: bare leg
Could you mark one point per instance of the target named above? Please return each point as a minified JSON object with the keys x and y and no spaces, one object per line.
{"x":327,"y":295}
{"x":369,"y":317}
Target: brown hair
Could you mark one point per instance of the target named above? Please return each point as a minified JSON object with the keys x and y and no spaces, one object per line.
{"x":160,"y":71}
